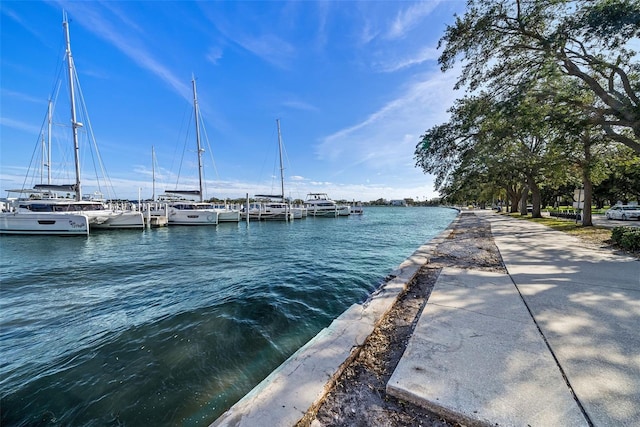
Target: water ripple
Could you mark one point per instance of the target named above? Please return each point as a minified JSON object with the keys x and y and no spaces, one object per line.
{"x":172,"y":326}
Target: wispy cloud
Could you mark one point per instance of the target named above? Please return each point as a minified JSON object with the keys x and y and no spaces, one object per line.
{"x":426,"y":54}
{"x":215,"y":54}
{"x":22,"y":96}
{"x":261,"y":42}
{"x":268,"y":47}
{"x":323,"y":19}
{"x":407,"y":19}
{"x":299,"y":105}
{"x":6,"y":10}
{"x":128,"y":44}
{"x":19,"y":125}
{"x":386,"y":139}
{"x":394,"y":42}
{"x":122,"y":17}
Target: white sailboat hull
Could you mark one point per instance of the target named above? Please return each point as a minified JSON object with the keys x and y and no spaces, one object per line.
{"x":193,"y":217}
{"x":271,"y":211}
{"x":117,"y":220}
{"x":330,"y":212}
{"x":299,"y":212}
{"x":344,"y":210}
{"x":60,"y":224}
{"x":46,"y":211}
{"x":228,"y":215}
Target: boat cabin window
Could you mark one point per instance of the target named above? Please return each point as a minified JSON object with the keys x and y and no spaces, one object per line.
{"x":39,"y":207}
{"x":78,"y":207}
{"x":62,"y":207}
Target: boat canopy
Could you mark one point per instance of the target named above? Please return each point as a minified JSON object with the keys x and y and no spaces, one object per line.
{"x":270,"y":196}
{"x":50,"y":187}
{"x":185,"y":192}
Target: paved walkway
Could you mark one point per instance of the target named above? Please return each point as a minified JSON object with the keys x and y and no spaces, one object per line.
{"x":554,"y":342}
{"x":284,"y":397}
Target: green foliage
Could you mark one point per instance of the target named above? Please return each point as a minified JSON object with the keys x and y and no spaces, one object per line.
{"x":612,"y":21}
{"x":631,"y":241}
{"x":627,"y":238}
{"x":616,"y":233}
{"x":505,"y":44}
{"x":622,"y":182}
{"x":554,"y":82}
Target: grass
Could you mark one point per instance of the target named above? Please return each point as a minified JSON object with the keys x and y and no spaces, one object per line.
{"x":598,"y":236}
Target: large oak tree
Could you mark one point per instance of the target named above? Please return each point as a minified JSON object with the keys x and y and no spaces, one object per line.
{"x":504,"y":44}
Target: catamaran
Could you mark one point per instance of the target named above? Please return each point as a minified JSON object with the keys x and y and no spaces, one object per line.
{"x":268,"y":208}
{"x":46,"y":211}
{"x":182,"y":211}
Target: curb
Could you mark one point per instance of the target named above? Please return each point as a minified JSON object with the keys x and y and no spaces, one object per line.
{"x":295,"y":390}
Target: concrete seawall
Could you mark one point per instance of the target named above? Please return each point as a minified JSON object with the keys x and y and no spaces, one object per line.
{"x":302,"y":381}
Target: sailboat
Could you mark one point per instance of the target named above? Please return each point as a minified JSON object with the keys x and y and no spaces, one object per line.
{"x":45,"y":211}
{"x":182,"y":211}
{"x":270,"y":209}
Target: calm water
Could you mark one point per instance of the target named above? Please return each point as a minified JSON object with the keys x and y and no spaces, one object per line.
{"x":172,"y":326}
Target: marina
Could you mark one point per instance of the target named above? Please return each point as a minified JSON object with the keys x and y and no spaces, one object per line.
{"x":47,"y":208}
{"x":168,"y":311}
{"x":173,"y":325}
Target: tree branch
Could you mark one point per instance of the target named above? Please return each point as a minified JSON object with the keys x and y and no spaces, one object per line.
{"x":613,"y":135}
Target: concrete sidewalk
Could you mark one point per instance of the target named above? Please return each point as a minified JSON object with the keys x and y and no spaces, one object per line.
{"x":554,"y":342}
{"x":301,"y":382}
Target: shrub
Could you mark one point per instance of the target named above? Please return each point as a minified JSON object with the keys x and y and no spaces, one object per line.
{"x":627,"y":238}
{"x":616,"y":234}
{"x":631,"y":241}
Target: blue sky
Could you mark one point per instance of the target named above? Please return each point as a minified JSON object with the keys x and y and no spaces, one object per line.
{"x":354,"y":85}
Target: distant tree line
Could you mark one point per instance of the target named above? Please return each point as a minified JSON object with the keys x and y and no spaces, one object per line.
{"x":377,"y":202}
{"x":551,"y":104}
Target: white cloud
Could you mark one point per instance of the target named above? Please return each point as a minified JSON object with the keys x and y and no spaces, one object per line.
{"x":268,"y":47}
{"x":368,"y":33}
{"x":131,"y":46}
{"x":387,"y":138}
{"x":19,"y":125}
{"x":407,"y":19}
{"x":215,"y":54}
{"x":426,"y":54}
{"x":262,"y":43}
{"x":299,"y":105}
{"x":21,"y":96}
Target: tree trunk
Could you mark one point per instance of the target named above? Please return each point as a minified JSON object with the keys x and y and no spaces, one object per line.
{"x":587,"y":219}
{"x":513,"y":194}
{"x":535,"y":197}
{"x":523,"y":200}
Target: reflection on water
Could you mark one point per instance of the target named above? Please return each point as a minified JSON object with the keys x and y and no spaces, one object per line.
{"x":172,"y":326}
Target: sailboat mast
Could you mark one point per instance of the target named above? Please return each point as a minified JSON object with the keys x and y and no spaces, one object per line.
{"x":74,"y":123}
{"x":44,"y":160}
{"x":281,"y":166}
{"x":197,"y":116}
{"x":49,"y":123}
{"x":153,"y":173}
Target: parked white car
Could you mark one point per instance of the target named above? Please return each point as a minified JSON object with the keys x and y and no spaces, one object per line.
{"x":623,"y":212}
